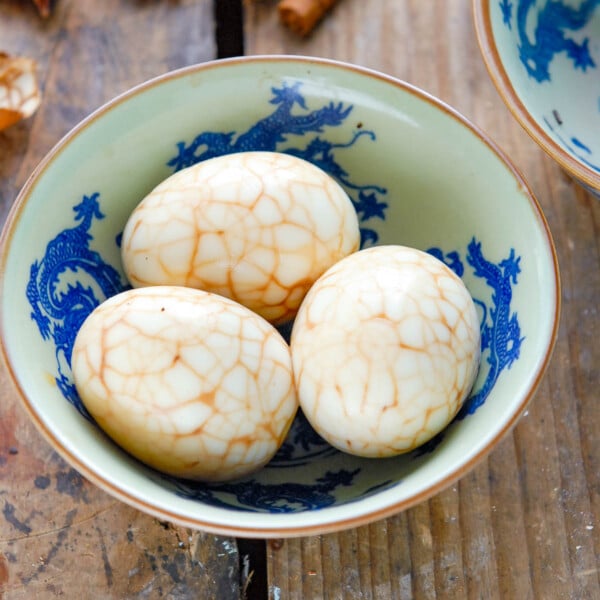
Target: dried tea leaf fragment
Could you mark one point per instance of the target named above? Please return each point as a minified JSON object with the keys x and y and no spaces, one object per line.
{"x":19,"y":92}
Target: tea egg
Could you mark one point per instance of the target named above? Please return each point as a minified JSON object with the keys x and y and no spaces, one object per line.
{"x":191,"y":383}
{"x":385,"y":349}
{"x":256,"y":227}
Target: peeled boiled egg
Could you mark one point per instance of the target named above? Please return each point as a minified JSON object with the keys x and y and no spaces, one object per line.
{"x":256,"y":227}
{"x":385,"y":349}
{"x":191,"y":383}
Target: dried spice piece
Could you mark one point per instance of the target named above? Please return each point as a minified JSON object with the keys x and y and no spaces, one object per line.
{"x":19,"y":91}
{"x":43,"y":7}
{"x":301,"y":16}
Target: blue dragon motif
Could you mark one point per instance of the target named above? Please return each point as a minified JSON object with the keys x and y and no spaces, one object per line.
{"x":271,"y":134}
{"x":500,"y":329}
{"x":451,"y":259}
{"x":506,"y":7}
{"x":575,"y":146}
{"x":59,"y":299}
{"x":554,"y":19}
{"x":277,"y":498}
{"x":72,"y":279}
{"x":302,"y":445}
{"x":267,"y":133}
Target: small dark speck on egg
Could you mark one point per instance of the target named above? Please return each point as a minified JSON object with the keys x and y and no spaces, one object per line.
{"x":13,"y":450}
{"x":359,"y":125}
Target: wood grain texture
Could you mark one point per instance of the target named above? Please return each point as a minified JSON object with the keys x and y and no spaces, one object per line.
{"x":59,"y":535}
{"x":521,"y":525}
{"x":62,"y":536}
{"x":524,"y":523}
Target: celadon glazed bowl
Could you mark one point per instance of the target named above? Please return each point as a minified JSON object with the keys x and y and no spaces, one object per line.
{"x":418,"y":174}
{"x":544,"y":58}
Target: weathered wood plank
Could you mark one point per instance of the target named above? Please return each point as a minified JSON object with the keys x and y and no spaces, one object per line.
{"x":60,"y":535}
{"x":523,"y":524}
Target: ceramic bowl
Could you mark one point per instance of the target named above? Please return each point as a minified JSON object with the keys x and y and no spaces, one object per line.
{"x":544,"y":58}
{"x":419,"y":175}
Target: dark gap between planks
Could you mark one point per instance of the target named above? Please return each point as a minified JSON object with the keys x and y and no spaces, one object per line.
{"x":253,"y":569}
{"x":229,"y":27}
{"x":229,"y":40}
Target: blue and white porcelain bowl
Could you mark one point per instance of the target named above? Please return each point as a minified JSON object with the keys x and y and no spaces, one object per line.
{"x":544,"y":58}
{"x":419,"y":175}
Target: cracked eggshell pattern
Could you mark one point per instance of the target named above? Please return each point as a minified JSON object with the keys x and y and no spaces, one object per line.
{"x":256,"y":227}
{"x":190,"y":383}
{"x":385,"y":350}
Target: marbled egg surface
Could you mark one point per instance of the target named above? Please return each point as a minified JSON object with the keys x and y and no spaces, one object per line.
{"x":256,"y":227}
{"x":191,"y":383}
{"x":385,"y":349}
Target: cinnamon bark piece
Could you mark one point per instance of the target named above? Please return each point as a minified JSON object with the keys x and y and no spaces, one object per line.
{"x":301,"y":16}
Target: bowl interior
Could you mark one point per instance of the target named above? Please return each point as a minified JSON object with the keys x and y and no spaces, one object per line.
{"x":549,"y":52}
{"x":418,"y":175}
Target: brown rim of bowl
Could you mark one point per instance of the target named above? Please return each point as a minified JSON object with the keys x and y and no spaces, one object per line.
{"x":225,"y":528}
{"x":501,"y":80}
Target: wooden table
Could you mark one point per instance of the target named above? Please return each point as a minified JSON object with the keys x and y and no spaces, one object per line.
{"x":523,"y":524}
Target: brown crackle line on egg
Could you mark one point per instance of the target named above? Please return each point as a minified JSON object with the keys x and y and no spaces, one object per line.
{"x":164,"y":420}
{"x":411,"y":335}
{"x":252,"y":239}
